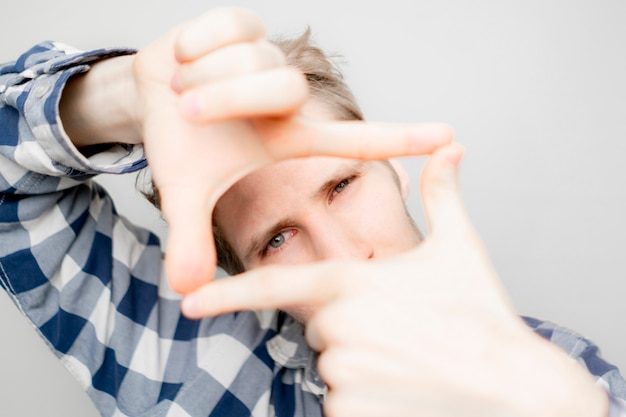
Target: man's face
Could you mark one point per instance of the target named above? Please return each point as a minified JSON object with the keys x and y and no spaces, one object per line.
{"x":311,"y":209}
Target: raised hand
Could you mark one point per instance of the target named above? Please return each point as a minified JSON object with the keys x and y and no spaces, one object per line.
{"x":430,"y":332}
{"x":218,"y":101}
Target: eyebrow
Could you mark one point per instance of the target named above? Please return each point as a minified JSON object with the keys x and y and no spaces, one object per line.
{"x":259,"y":240}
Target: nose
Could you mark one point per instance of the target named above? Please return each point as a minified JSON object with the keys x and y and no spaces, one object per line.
{"x":340,"y":238}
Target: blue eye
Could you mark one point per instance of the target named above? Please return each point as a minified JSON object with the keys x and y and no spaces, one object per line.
{"x":342,"y":185}
{"x":277,"y":240}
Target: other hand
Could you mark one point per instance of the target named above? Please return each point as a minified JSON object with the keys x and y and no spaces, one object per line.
{"x":430,"y":332}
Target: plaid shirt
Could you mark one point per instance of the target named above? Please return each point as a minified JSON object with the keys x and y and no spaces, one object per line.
{"x":93,"y":284}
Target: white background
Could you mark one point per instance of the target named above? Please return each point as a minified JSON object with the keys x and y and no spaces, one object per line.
{"x":535,"y":89}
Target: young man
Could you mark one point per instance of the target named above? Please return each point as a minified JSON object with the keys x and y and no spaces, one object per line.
{"x":94,"y":285}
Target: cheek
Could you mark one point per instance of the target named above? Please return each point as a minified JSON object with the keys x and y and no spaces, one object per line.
{"x":385,"y":220}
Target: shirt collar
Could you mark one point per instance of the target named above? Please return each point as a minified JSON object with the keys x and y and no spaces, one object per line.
{"x":290,"y":350}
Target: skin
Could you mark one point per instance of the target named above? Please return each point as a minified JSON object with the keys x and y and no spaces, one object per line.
{"x":211,"y":101}
{"x":314,"y":209}
{"x":176,"y":91}
{"x":428,"y":332}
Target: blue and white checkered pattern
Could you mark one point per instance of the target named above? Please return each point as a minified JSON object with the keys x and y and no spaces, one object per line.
{"x":93,"y":284}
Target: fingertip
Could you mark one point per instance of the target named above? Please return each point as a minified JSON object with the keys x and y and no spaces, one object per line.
{"x":441,"y":194}
{"x":425,"y":138}
{"x":442,"y":164}
{"x":191,"y":307}
{"x":455,"y":153}
{"x":188,"y":268}
{"x":189,"y":279}
{"x":449,"y":130}
{"x":437,"y":132}
{"x":297,"y":83}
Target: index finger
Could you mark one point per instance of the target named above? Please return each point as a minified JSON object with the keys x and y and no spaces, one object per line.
{"x":355,"y":139}
{"x":273,"y":287}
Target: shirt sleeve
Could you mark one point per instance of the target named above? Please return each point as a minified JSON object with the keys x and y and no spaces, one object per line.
{"x":587,"y":354}
{"x":86,"y":279}
{"x":617,"y":407}
{"x":36,"y":156}
{"x":91,"y":283}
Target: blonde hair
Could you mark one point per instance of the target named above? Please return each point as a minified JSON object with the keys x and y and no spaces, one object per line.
{"x":326,"y":81}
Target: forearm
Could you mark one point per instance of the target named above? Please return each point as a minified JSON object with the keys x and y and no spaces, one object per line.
{"x":35,"y":150}
{"x":101,"y":105}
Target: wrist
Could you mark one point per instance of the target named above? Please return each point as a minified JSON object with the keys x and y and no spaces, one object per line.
{"x":101,"y":106}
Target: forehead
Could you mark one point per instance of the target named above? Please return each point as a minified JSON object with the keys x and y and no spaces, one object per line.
{"x":262,"y":187}
{"x":274,"y":185}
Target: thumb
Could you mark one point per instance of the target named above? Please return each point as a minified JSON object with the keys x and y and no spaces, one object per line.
{"x":190,"y":253}
{"x":441,"y":196}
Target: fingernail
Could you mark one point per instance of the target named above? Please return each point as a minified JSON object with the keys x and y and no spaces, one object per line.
{"x":190,"y":306}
